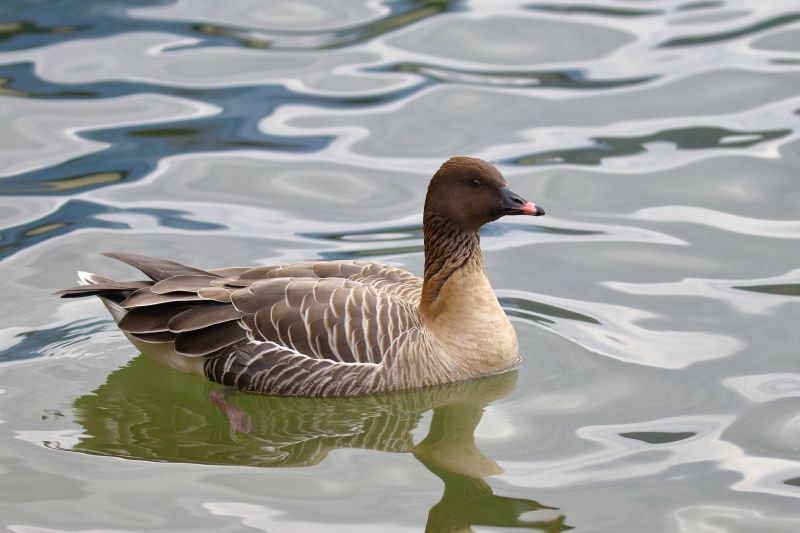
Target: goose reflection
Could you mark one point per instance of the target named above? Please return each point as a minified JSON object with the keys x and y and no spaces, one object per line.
{"x":140,"y":413}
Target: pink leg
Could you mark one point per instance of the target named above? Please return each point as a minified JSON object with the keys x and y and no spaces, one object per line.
{"x":239,"y":420}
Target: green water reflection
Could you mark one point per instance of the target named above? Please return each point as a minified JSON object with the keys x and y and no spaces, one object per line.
{"x":144,"y":412}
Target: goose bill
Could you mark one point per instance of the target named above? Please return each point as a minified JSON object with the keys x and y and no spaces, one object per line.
{"x":513,"y":204}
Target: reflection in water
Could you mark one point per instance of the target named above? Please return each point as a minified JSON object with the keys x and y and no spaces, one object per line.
{"x":401,"y":14}
{"x":784,"y":289}
{"x":449,"y":452}
{"x":658,"y":437}
{"x":573,"y":79}
{"x":144,"y":412}
{"x":595,"y":10}
{"x":73,"y":183}
{"x":48,"y":341}
{"x":693,"y":138}
{"x":11,"y":30}
{"x":774,"y":22}
{"x":75,"y":215}
{"x":539,"y":311}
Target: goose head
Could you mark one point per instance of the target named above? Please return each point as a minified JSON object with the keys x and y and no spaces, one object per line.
{"x":468,"y":192}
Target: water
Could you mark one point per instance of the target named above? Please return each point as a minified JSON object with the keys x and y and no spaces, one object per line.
{"x":656,"y":303}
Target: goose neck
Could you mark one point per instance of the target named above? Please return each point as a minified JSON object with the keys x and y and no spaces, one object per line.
{"x":448,"y":250}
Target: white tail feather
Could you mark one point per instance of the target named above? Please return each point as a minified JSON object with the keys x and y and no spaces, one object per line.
{"x":86,"y":278}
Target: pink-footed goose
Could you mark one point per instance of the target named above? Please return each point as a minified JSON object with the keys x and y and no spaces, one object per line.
{"x":334,"y":328}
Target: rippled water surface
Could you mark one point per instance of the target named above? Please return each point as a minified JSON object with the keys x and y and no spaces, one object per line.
{"x":657,"y":303}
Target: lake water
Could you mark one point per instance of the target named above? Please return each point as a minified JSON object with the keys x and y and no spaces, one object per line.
{"x":657,"y":303}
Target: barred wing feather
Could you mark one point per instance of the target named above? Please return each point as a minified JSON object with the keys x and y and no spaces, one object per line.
{"x":330,"y":318}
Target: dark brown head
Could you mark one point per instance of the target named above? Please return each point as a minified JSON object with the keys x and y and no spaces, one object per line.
{"x":469,"y":193}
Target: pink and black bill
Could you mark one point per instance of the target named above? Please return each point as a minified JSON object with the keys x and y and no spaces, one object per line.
{"x":513,"y":204}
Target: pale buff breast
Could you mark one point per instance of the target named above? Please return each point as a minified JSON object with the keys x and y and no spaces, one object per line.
{"x":471,"y":326}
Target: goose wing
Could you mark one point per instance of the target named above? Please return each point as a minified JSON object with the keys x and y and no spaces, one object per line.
{"x":266,"y":367}
{"x":317,"y":321}
{"x":343,"y":311}
{"x":284,"y":336}
{"x":338,"y":319}
{"x":383,"y":279}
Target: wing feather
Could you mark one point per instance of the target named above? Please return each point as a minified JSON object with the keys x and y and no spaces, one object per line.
{"x":151,"y":319}
{"x":206,"y":341}
{"x":217,"y":294}
{"x":156,"y":337}
{"x":145,"y":297}
{"x":267,"y":368}
{"x":155,"y":269}
{"x":183,"y":283}
{"x":198,"y":317}
{"x":328,"y":318}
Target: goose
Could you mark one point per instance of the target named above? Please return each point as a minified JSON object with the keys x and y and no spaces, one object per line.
{"x":333,"y":328}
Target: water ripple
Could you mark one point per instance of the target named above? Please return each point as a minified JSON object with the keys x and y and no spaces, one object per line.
{"x":575,"y":79}
{"x":770,"y":23}
{"x":595,"y":10}
{"x":75,"y":215}
{"x":687,"y":138}
{"x":400,"y":15}
{"x":775,"y":229}
{"x":51,"y":341}
{"x":656,"y":305}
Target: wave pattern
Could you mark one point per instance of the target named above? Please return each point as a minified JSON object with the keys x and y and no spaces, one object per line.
{"x":656,"y":304}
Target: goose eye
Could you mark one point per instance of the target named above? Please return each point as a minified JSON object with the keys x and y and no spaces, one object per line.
{"x":476,"y":183}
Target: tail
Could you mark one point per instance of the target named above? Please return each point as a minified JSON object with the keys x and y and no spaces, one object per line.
{"x":117,"y":291}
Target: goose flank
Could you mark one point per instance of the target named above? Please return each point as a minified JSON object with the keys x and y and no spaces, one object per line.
{"x":333,"y":328}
